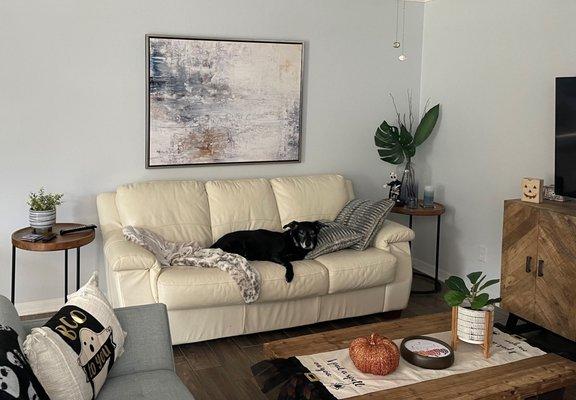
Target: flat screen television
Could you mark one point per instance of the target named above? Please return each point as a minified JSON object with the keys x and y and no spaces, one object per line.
{"x":565,"y":160}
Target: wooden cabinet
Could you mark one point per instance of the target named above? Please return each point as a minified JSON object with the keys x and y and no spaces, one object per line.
{"x":539,"y":264}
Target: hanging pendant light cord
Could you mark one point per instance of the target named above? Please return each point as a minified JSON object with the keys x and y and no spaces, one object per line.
{"x":404,"y":28}
{"x":397,"y":20}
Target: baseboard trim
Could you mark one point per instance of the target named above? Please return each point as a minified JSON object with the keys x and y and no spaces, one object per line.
{"x":39,"y":306}
{"x":428,"y":269}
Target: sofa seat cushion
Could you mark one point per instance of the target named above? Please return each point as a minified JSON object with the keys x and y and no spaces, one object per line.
{"x":310,"y":280}
{"x":352,"y":269}
{"x":161,"y":384}
{"x":183,"y":288}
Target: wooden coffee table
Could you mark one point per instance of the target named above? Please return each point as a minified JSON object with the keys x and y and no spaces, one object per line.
{"x":542,"y":377}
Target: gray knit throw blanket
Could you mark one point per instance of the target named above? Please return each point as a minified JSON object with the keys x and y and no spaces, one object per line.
{"x":191,"y":254}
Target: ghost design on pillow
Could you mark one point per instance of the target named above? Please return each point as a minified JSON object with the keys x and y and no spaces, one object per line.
{"x":11,"y":356}
{"x":9,"y":382}
{"x":16,"y":376}
{"x":96,"y":356}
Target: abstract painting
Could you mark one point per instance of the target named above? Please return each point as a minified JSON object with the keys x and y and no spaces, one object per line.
{"x":212,"y":101}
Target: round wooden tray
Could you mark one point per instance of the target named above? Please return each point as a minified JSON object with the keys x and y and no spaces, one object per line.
{"x":438,"y":209}
{"x":70,"y":241}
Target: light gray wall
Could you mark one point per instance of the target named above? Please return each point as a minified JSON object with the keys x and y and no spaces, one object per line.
{"x":492,"y":65}
{"x":72,"y":100}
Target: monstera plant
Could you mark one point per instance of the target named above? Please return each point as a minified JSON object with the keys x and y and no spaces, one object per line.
{"x":397,"y":143}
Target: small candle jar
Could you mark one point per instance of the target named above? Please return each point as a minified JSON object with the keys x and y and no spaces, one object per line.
{"x":428,"y":197}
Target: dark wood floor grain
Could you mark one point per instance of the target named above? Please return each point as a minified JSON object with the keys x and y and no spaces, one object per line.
{"x":220,"y":369}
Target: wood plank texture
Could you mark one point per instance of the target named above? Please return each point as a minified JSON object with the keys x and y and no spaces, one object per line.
{"x":539,"y":264}
{"x":567,"y":207}
{"x":519,"y":258}
{"x":341,"y":338}
{"x":526,"y":378}
{"x":517,"y":380}
{"x":204,"y":367}
{"x":555,"y":293}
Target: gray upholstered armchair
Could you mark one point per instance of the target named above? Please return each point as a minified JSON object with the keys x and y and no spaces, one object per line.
{"x":145,"y":370}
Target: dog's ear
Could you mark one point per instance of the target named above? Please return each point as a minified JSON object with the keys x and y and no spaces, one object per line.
{"x":291,"y":225}
{"x":319,"y":225}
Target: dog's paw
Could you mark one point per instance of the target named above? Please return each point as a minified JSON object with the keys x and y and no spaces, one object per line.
{"x":289,"y":276}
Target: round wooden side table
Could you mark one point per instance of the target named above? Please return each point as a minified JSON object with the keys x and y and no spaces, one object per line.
{"x":66,"y":242}
{"x":421,"y":211}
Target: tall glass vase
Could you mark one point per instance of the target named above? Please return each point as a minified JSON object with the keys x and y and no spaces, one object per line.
{"x":409,"y":189}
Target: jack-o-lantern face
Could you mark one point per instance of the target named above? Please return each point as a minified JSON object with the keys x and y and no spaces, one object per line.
{"x":532,"y":190}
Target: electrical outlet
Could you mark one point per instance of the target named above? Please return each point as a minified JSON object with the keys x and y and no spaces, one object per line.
{"x":482,"y":254}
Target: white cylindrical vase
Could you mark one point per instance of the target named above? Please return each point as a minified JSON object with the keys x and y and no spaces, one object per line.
{"x":472,"y":324}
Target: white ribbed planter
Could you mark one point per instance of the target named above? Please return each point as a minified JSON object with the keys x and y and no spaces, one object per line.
{"x":42,"y":221}
{"x":471,"y":324}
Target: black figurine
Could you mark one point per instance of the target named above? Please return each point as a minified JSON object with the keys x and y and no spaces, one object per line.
{"x":395,"y":186}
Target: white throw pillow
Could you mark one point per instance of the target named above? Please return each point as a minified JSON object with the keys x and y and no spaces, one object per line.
{"x":73,"y":352}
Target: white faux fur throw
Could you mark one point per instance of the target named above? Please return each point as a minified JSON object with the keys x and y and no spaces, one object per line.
{"x":191,"y":254}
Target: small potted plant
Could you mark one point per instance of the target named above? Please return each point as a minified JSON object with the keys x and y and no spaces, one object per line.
{"x":473,"y":304}
{"x":43,"y":209}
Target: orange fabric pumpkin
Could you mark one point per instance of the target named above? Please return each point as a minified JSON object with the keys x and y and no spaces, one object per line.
{"x":375,"y":354}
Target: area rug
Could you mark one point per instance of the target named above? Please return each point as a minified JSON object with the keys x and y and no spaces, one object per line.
{"x":332,"y":375}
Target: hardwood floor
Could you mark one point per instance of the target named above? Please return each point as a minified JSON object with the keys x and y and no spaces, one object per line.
{"x":220,"y":369}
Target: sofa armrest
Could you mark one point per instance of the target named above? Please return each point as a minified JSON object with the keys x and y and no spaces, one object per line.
{"x":148,"y":346}
{"x":123,"y":255}
{"x":392,"y":232}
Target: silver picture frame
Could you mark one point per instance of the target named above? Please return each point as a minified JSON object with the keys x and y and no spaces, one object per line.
{"x":294,"y":155}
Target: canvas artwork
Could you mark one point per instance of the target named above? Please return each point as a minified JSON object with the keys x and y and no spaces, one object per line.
{"x":223,"y":101}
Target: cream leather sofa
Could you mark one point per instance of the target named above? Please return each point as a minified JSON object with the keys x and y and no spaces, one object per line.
{"x":205,"y":303}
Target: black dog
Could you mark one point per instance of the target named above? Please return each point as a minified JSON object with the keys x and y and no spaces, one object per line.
{"x":279,"y":247}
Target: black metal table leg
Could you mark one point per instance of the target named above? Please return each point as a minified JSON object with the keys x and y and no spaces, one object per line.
{"x":78,"y":268}
{"x":65,"y":275}
{"x":410,"y":226}
{"x":437,"y":285}
{"x":13,"y":288}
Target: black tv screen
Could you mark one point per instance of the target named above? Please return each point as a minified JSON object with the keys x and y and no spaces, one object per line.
{"x":565,"y":164}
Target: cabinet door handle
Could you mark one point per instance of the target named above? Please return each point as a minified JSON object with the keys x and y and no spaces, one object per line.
{"x":528,"y":264}
{"x":540,"y":267}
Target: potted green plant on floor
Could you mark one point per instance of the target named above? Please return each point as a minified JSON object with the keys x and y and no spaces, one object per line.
{"x":43,"y":209}
{"x":473,"y":305}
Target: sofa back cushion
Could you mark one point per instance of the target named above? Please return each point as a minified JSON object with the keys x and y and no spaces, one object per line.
{"x":176,"y":210}
{"x":310,"y":198}
{"x":244,"y":204}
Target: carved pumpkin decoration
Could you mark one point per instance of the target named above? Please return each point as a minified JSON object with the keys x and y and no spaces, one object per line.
{"x":532,"y":190}
{"x":375,"y":354}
